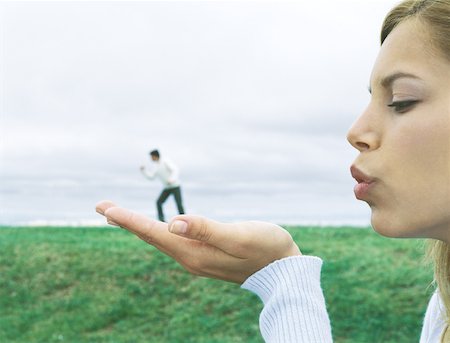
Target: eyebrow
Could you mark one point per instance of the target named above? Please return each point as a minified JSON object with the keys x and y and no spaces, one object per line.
{"x":387,"y":81}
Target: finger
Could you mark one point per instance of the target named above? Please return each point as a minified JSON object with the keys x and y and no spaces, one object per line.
{"x":139,"y":225}
{"x":221,"y":235}
{"x":152,"y":231}
{"x":197,"y":256}
{"x":103,"y":205}
{"x":110,"y":222}
{"x":194,"y":255}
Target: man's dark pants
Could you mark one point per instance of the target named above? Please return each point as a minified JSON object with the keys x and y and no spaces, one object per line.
{"x":176,"y":191}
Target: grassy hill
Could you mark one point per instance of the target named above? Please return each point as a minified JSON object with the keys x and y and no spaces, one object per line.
{"x":105,"y":285}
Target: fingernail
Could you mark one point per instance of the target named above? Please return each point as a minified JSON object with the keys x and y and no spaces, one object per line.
{"x":178,"y":227}
{"x":110,"y":222}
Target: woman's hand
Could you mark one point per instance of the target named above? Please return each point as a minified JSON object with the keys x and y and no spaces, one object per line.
{"x":230,"y":252}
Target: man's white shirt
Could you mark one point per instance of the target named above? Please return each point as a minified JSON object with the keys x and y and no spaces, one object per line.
{"x":164,"y":170}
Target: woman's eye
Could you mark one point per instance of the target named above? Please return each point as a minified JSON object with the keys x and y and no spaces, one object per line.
{"x":402,"y":106}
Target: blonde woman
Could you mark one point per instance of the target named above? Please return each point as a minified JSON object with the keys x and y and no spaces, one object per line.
{"x":402,"y":172}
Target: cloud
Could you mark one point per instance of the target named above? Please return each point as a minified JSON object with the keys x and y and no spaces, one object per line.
{"x":248,"y":98}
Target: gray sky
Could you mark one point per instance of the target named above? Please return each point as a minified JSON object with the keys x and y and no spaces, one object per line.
{"x":252,"y":100}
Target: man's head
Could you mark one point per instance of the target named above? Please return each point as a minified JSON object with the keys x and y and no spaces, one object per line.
{"x":154,"y":154}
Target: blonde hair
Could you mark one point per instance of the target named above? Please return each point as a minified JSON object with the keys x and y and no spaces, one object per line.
{"x":435,"y":15}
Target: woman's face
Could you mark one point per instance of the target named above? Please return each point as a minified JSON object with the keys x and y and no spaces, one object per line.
{"x":403,"y":169}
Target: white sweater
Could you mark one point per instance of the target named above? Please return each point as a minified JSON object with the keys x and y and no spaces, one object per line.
{"x":164,"y":170}
{"x":294,"y":305}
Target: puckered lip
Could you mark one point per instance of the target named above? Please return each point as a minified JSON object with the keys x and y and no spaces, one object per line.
{"x":359,"y":176}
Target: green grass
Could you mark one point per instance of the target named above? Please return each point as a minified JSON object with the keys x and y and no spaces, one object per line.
{"x":105,"y":285}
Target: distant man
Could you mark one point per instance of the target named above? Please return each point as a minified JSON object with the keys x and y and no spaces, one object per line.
{"x":167,"y":172}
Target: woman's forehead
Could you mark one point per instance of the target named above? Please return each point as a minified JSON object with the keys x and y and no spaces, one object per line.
{"x":407,"y":50}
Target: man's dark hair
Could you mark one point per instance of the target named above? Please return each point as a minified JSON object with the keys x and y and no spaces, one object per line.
{"x":154,"y":153}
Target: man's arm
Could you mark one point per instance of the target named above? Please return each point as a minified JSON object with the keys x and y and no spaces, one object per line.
{"x":147,"y":174}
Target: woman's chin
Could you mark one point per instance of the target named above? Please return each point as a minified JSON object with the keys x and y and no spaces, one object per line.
{"x":390,"y":228}
{"x":397,"y":226}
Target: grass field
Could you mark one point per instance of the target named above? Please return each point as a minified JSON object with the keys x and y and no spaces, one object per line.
{"x":105,"y":285}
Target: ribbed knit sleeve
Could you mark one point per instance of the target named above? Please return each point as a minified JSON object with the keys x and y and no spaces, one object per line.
{"x":294,"y":305}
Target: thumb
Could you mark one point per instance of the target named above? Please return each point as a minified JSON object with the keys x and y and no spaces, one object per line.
{"x":221,"y":235}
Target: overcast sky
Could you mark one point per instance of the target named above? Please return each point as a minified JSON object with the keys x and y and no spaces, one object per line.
{"x":252,"y":100}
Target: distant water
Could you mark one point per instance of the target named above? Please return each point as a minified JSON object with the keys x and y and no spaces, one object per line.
{"x":101,"y":223}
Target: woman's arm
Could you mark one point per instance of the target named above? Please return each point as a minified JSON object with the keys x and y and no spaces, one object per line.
{"x":294,"y":306}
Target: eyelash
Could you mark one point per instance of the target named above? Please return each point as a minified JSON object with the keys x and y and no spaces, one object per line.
{"x":402,"y":106}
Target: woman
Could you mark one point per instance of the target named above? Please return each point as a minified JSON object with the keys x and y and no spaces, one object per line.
{"x":402,"y":172}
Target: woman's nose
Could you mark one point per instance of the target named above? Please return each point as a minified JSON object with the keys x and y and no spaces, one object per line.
{"x":364,"y":135}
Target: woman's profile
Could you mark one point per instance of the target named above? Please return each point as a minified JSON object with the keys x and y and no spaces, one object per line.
{"x":402,"y":172}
